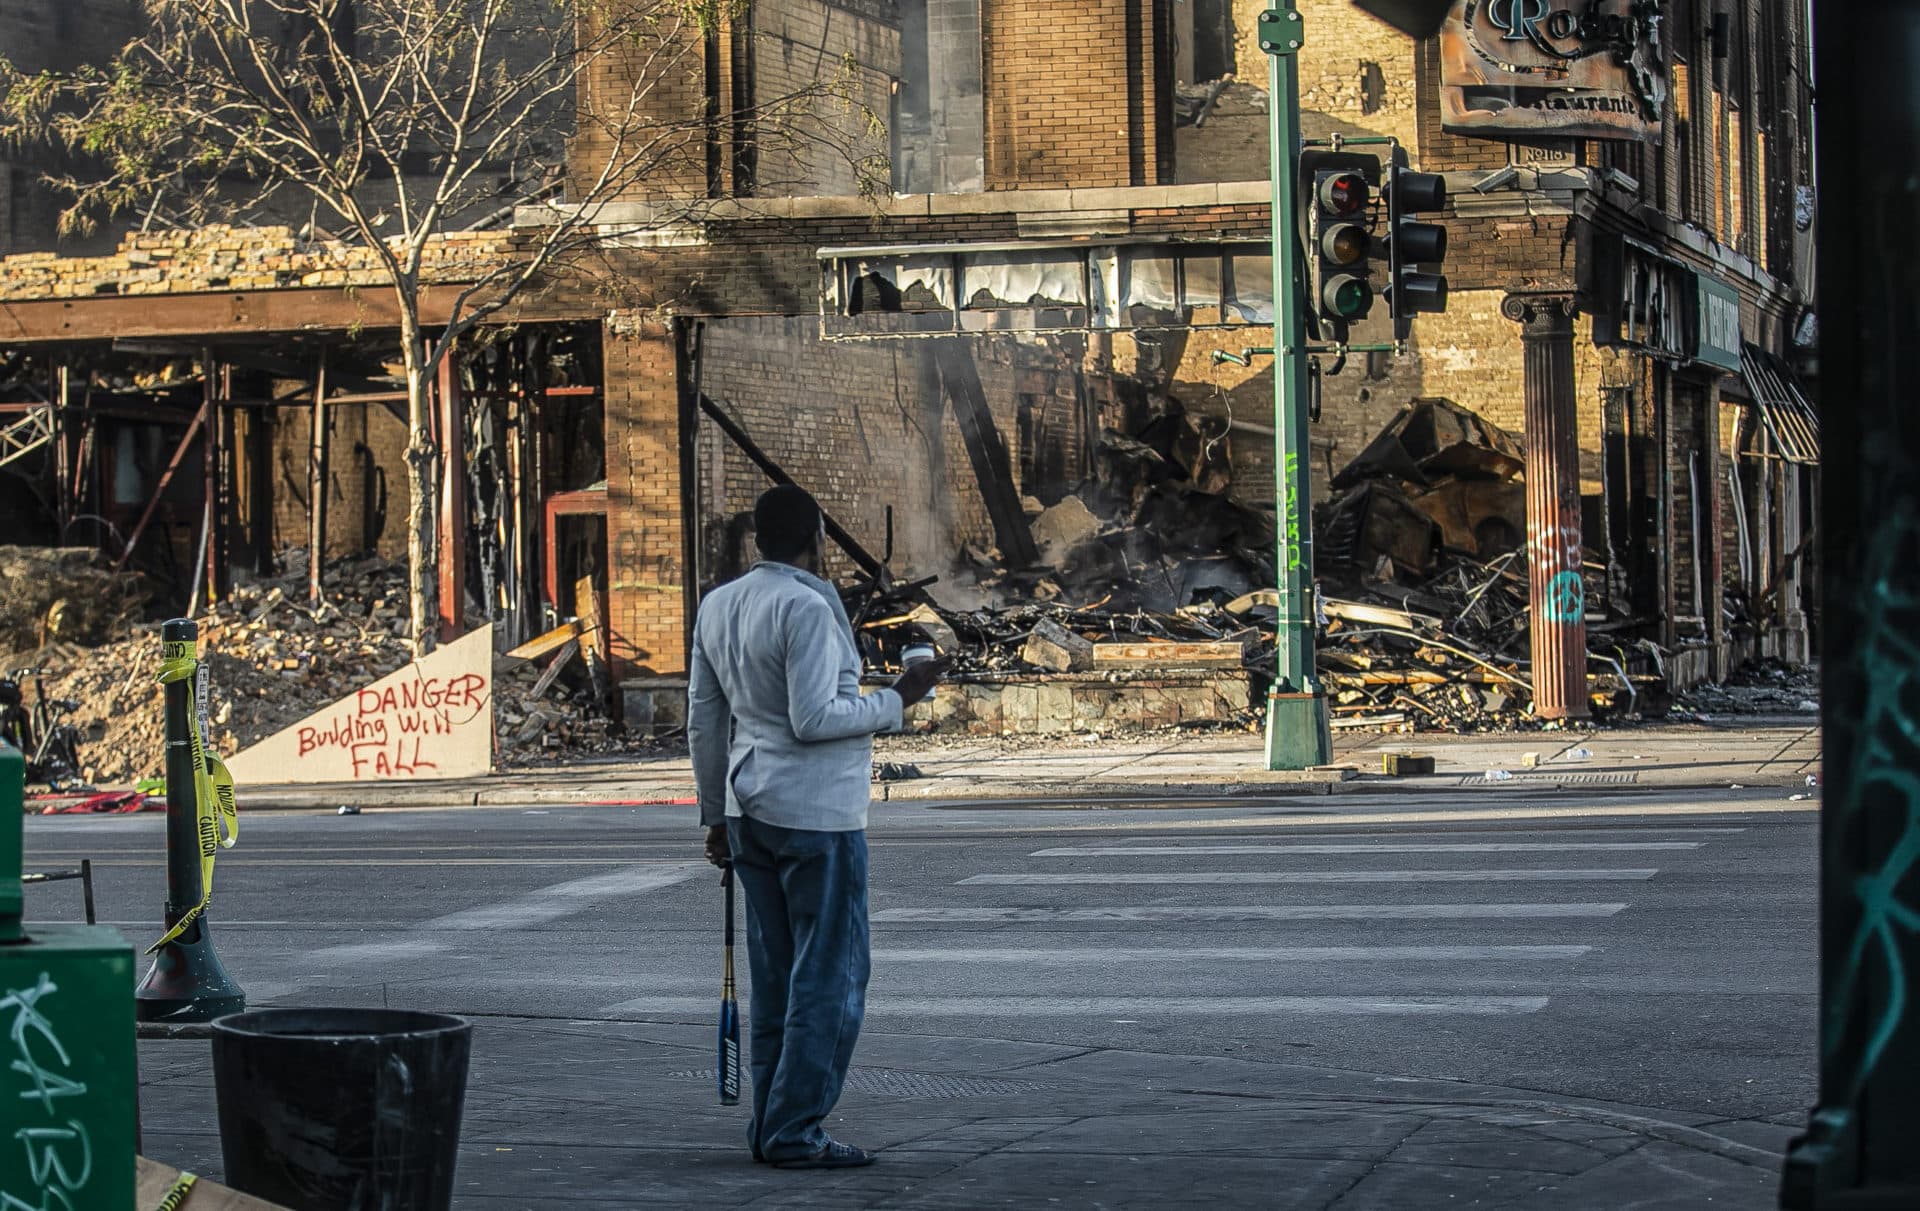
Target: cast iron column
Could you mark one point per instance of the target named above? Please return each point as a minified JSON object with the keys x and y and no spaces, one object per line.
{"x":1554,"y":549}
{"x":1859,"y":1150}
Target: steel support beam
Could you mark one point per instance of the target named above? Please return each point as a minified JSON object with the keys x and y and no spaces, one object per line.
{"x":317,"y":478}
{"x":239,"y":313}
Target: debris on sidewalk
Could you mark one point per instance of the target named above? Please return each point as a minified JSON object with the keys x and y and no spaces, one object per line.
{"x":1762,"y":688}
{"x":272,"y":660}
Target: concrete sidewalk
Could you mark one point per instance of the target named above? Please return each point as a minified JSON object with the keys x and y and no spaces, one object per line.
{"x":1779,"y":752}
{"x":621,"y":1114}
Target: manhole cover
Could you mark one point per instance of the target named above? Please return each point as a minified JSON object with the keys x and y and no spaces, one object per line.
{"x":886,"y":1082}
{"x":1568,"y":779}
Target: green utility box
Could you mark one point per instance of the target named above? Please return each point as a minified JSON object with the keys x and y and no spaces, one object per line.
{"x":67,"y":1084}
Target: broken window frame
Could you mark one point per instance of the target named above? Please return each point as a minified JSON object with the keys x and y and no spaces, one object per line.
{"x":944,"y":282}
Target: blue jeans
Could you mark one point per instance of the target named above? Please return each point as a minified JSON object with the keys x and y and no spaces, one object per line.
{"x":806,"y":894}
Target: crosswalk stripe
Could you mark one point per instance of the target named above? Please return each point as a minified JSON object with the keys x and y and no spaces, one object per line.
{"x":1477,"y":847}
{"x":538,"y":907}
{"x":1059,"y":878}
{"x":1231,"y":954}
{"x":1252,"y":912}
{"x":1030,"y":1007}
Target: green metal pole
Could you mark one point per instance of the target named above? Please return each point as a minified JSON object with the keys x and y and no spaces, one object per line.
{"x":187,"y":982}
{"x":1297,"y":734}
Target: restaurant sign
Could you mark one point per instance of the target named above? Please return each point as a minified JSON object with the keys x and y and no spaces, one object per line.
{"x":1717,"y":324}
{"x":1553,"y":69}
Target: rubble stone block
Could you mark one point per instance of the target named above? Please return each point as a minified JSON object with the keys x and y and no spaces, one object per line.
{"x":1054,"y":708}
{"x":1089,"y":706}
{"x":1020,"y":709}
{"x":984,"y":709}
{"x":1054,"y":647}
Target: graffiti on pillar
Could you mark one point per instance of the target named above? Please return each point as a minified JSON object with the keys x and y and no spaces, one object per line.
{"x":1867,"y":1007}
{"x":1556,"y":548}
{"x":1566,"y":598}
{"x":638,"y":567}
{"x":1289,"y":475}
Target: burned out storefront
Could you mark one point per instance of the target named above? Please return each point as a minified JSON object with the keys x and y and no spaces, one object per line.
{"x":191,"y":439}
{"x":1032,"y":388}
{"x":1710,"y":446}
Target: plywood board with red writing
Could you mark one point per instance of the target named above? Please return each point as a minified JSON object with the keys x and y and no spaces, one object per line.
{"x":432,"y":719}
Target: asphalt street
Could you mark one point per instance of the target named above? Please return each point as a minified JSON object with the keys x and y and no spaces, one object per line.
{"x":1653,"y":952}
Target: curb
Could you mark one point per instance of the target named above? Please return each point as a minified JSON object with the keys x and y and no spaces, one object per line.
{"x":939,"y":790}
{"x":173,"y":1030}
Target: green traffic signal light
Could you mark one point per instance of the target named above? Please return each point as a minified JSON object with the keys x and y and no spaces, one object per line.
{"x":1346,"y":297}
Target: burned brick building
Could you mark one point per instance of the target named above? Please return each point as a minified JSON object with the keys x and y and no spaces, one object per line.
{"x":1032,"y":274}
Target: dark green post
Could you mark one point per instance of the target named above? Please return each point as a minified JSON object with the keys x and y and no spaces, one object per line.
{"x":187,"y":982}
{"x":1860,"y":1147}
{"x":1297,"y":732}
{"x":66,"y":1044}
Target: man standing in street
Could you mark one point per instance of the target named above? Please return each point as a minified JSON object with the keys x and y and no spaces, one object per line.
{"x":782,"y":742}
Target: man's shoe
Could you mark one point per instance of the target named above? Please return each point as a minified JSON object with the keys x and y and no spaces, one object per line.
{"x":832,"y":1155}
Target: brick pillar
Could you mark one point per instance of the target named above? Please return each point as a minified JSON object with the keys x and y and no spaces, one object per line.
{"x":646,"y":603}
{"x":1554,"y":548}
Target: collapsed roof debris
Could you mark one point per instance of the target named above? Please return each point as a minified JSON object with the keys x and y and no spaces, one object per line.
{"x":1425,"y":609}
{"x":272,"y":661}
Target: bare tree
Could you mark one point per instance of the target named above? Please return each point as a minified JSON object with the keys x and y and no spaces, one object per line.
{"x":394,"y":122}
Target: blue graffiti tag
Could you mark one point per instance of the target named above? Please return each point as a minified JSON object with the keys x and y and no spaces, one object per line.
{"x":1880,"y":783}
{"x":1566,"y":598}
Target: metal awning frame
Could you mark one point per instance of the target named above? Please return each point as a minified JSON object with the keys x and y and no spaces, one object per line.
{"x":1790,"y":421}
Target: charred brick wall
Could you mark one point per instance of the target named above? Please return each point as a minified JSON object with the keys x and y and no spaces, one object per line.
{"x":852,"y":423}
{"x":366,"y":477}
{"x":1071,"y":95}
{"x":43,"y":35}
{"x":849,"y":54}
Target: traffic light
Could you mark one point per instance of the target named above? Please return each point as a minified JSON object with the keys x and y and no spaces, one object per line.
{"x":1411,"y":244}
{"x":1342,"y":238}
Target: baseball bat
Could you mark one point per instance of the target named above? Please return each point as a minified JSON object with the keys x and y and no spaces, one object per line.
{"x":729,"y":1071}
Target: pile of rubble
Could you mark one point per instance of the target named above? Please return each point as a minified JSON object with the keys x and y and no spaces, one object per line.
{"x":1421,"y":551}
{"x":1424,"y":580}
{"x":1763,"y":688}
{"x":63,"y":595}
{"x":272,"y":661}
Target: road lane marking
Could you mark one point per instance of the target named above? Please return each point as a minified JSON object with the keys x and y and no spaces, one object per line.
{"x":358,"y":862}
{"x":1442,"y":816}
{"x":564,"y":899}
{"x":1146,"y":1007}
{"x":537,"y":907}
{"x":1075,"y":878}
{"x":1233,"y":954}
{"x":1377,"y":847}
{"x":1254,"y":912}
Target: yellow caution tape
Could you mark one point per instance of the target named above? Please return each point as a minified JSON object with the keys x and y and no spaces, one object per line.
{"x":216,"y":816}
{"x":177,"y":1193}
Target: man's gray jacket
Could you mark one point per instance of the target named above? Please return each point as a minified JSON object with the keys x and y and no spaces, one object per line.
{"x":774,"y":660}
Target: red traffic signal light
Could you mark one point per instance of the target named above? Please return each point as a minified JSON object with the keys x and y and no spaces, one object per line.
{"x":1343,"y":193}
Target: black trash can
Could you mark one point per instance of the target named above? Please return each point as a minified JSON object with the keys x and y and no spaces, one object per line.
{"x":342,"y":1109}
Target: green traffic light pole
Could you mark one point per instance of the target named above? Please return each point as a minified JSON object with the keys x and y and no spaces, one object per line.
{"x":1297,"y":729}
